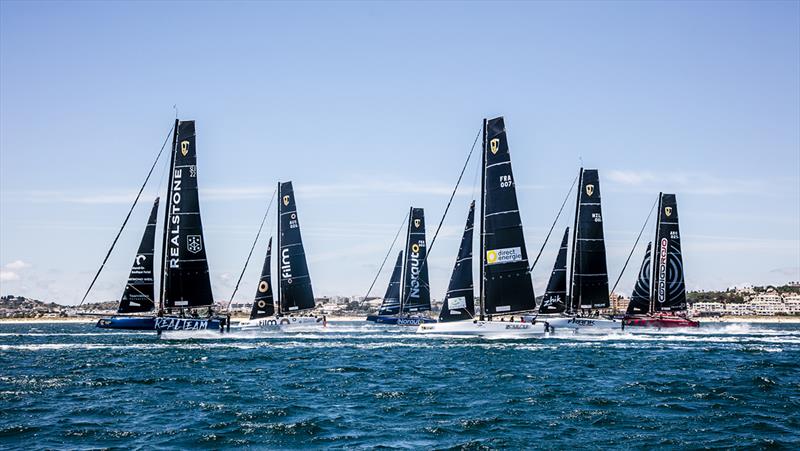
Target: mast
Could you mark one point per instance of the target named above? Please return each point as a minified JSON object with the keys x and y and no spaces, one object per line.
{"x":405,"y":263}
{"x":139,"y":291}
{"x":482,"y":277}
{"x":572,"y":299}
{"x":654,"y":266}
{"x":280,"y":293}
{"x":163,"y":281}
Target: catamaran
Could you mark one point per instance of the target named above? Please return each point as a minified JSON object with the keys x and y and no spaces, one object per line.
{"x":505,"y":280}
{"x":661,"y":304}
{"x":589,"y":276}
{"x":185,"y":282}
{"x":295,"y":293}
{"x":414,"y":291}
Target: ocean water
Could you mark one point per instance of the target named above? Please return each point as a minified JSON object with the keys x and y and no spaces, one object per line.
{"x":353,"y":385}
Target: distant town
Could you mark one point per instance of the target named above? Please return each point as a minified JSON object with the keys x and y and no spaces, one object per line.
{"x":746,"y":301}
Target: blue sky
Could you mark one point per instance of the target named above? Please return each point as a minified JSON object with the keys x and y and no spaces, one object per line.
{"x":372,"y":107}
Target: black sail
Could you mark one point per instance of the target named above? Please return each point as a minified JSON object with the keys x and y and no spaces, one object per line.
{"x":416,"y":292}
{"x":459,"y":302}
{"x":295,"y":283}
{"x":507,"y":286}
{"x":669,"y":288}
{"x":139,"y":291}
{"x":589,"y":272}
{"x":186,"y":278}
{"x":263,"y":304}
{"x":640,"y":299}
{"x":555,"y":297}
{"x":391,"y":300}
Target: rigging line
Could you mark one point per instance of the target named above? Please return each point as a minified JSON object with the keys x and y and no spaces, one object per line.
{"x":447,"y":208}
{"x":634,"y":245}
{"x":247,"y":261}
{"x":125,"y":222}
{"x":396,"y":235}
{"x":554,"y":224}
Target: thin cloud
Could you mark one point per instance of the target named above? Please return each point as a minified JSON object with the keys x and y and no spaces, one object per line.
{"x":8,"y":276}
{"x":17,"y":264}
{"x":683,"y":182}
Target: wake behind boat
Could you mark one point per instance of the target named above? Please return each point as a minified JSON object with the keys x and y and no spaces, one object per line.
{"x":506,"y":287}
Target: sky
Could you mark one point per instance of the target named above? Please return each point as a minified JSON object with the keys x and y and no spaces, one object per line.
{"x":372,"y":107}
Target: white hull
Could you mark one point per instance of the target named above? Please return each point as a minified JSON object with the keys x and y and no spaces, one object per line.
{"x":484,"y":328}
{"x":282,"y":323}
{"x":581,"y":325}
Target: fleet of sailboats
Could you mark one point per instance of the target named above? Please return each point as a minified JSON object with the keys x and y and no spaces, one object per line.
{"x":576,"y":292}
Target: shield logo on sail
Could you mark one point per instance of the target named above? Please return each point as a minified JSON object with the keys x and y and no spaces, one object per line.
{"x":286,"y":200}
{"x":668,"y":211}
{"x":194,"y":243}
{"x":589,"y":190}
{"x":417,"y":222}
{"x":184,"y":148}
{"x":494,"y":145}
{"x":263,"y":286}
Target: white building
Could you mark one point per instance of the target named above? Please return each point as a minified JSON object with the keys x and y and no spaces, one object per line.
{"x":792,"y":304}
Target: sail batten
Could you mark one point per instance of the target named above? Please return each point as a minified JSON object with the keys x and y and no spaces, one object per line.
{"x":589,"y":281}
{"x":296,"y":293}
{"x":186,"y":279}
{"x":263,"y":304}
{"x":505,"y":278}
{"x":139,"y":293}
{"x":555,"y":297}
{"x":416,"y":284}
{"x":459,"y":302}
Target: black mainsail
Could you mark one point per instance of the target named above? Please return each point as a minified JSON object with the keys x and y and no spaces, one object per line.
{"x":139,"y":292}
{"x":459,"y":302}
{"x":640,"y":299}
{"x":416,"y":285}
{"x":668,"y":292}
{"x":555,"y":297}
{"x":294,"y":290}
{"x":506,"y":285}
{"x":391,"y":300}
{"x":589,"y":272}
{"x":186,"y":282}
{"x":263,"y":304}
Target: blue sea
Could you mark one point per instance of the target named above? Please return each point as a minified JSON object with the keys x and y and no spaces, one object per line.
{"x":353,"y":385}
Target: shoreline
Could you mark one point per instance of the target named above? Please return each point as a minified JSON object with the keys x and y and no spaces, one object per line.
{"x":341,"y":319}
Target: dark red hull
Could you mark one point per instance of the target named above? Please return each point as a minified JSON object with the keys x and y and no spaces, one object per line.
{"x":659,"y":321}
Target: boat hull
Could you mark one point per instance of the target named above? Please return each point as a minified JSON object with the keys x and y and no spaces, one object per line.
{"x":659,"y":322}
{"x":485,"y":328}
{"x":282,"y":323}
{"x":578,"y":324}
{"x":403,"y":320}
{"x":166,"y":323}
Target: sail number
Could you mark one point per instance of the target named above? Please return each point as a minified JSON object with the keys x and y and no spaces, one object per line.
{"x":597,"y":217}
{"x":673,"y":234}
{"x":505,"y":181}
